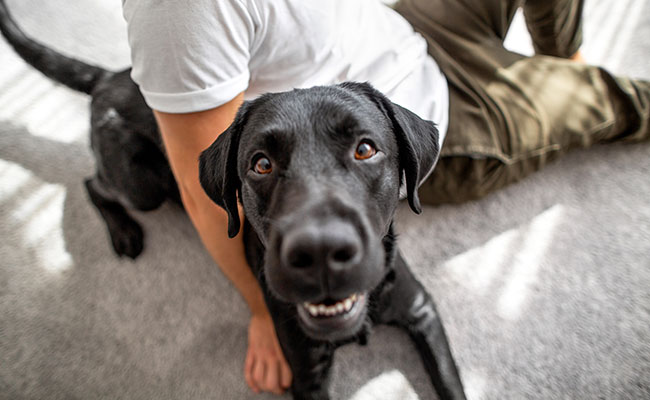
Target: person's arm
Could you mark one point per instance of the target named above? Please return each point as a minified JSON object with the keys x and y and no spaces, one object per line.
{"x":184,"y":137}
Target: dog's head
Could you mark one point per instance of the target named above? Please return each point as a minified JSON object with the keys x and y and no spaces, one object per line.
{"x":318,"y":172}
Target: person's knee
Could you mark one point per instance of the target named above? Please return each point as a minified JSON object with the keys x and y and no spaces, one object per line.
{"x":461,"y":179}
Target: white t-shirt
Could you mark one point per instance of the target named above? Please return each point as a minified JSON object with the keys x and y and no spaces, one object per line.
{"x":193,"y":55}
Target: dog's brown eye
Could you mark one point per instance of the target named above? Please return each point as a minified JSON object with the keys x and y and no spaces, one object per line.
{"x":365,"y":150}
{"x":263,"y":166}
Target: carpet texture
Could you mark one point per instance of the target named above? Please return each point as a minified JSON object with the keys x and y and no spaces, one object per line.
{"x":544,"y":286}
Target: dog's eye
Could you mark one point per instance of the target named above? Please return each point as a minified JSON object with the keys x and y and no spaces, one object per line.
{"x":263,"y":166}
{"x":365,"y":150}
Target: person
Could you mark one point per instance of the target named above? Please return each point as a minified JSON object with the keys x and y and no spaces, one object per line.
{"x":501,"y":115}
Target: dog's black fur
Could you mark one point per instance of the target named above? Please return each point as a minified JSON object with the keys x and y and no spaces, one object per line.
{"x":318,"y":225}
{"x":317,"y":200}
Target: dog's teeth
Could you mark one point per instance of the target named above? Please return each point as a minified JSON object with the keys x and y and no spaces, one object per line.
{"x":341,"y":307}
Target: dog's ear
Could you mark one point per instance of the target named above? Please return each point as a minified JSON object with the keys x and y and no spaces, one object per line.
{"x":419,"y":149}
{"x":218,"y":170}
{"x":417,"y":140}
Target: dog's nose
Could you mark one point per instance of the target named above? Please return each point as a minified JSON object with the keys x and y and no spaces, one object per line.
{"x":334,"y":245}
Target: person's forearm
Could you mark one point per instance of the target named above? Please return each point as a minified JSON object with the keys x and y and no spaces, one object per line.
{"x":185,"y":136}
{"x":211,"y":222}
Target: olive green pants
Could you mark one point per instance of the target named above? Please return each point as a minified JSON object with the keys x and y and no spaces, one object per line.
{"x":509,"y":115}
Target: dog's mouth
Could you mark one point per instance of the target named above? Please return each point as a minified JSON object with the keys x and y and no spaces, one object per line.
{"x":333,"y":319}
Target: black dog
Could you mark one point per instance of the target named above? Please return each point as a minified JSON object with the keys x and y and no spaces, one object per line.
{"x":318,"y":172}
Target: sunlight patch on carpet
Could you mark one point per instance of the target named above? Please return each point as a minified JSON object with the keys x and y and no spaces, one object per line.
{"x":391,"y":385}
{"x":477,"y":268}
{"x":526,"y":264}
{"x":37,"y":216}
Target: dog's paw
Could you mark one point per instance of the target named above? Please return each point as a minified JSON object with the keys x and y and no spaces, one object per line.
{"x":128,"y":240}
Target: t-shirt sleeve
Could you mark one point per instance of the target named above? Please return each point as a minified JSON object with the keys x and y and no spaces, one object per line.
{"x":189,"y":55}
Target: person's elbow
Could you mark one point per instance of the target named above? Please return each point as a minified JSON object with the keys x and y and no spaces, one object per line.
{"x":195,"y":200}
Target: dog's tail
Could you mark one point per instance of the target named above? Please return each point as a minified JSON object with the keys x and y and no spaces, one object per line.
{"x":74,"y":74}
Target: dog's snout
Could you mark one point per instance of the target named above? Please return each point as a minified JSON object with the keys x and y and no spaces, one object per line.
{"x":332,"y":245}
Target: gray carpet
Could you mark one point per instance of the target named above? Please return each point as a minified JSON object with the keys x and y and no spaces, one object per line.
{"x":544,"y":286}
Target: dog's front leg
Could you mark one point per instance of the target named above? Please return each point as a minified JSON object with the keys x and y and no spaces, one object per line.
{"x":126,"y":234}
{"x":407,"y":304}
{"x":310,"y":360}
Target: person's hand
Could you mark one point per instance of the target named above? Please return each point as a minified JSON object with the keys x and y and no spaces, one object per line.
{"x":265,"y":368}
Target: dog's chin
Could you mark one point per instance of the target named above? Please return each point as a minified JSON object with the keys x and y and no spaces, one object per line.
{"x":333,"y":320}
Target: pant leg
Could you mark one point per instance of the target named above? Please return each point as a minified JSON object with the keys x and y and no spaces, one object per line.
{"x":596,"y":108}
{"x":509,"y":114}
{"x":555,"y":26}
